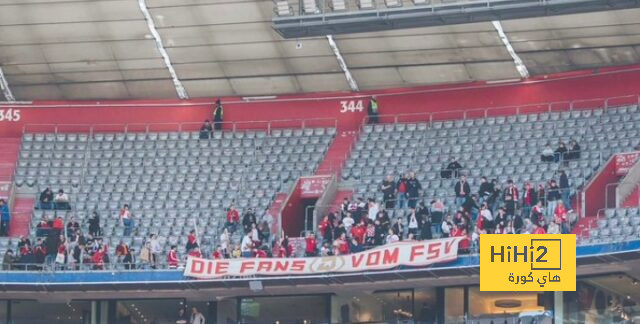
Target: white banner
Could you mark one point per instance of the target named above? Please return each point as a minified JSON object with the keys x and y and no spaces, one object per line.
{"x":413,"y":253}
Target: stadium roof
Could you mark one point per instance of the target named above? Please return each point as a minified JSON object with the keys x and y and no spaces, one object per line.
{"x":104,"y":49}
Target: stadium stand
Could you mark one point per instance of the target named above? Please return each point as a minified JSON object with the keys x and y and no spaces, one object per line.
{"x":169,"y":180}
{"x":617,"y":225}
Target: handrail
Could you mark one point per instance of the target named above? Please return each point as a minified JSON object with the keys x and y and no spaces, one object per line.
{"x":465,"y":114}
{"x":193,"y":126}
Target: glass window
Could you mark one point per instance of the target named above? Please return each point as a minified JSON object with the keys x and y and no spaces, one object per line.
{"x":454,"y":305}
{"x":603,"y":299}
{"x":285,"y":309}
{"x":509,"y":307}
{"x":75,"y":312}
{"x":425,"y":305}
{"x":383,"y":306}
{"x":152,"y":311}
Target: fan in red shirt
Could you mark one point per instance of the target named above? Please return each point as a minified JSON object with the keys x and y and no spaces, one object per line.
{"x":460,"y":231}
{"x":358,"y":232}
{"x":195,"y":252}
{"x":58,"y":224}
{"x":98,"y":259}
{"x":560,"y":216}
{"x":192,"y":240}
{"x":341,"y":245}
{"x":172,"y":258}
{"x":217,"y":254}
{"x":233,"y":218}
{"x":311,"y":248}
{"x":260,"y":253}
{"x":324,"y":226}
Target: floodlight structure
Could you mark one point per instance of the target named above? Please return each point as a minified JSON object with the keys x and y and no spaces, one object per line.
{"x":338,"y":5}
{"x":310,"y":7}
{"x":282,"y":8}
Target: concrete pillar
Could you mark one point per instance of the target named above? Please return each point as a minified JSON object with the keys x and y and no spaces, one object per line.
{"x":558,"y":307}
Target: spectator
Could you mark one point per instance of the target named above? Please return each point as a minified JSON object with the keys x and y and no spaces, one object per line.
{"x":471,"y":206}
{"x":247,"y":246}
{"x":7,"y":260}
{"x":146,"y":258}
{"x":40,"y":251}
{"x":402,"y":188}
{"x":413,"y":190}
{"x":462,"y":190}
{"x":61,"y":257}
{"x":528,"y":199}
{"x":58,"y":225}
{"x":425,"y":231}
{"x":560,"y":217}
{"x":538,"y":229}
{"x":388,"y":188}
{"x":565,"y":190}
{"x":547,"y":154}
{"x":373,"y":110}
{"x":311,"y":245}
{"x":218,"y":254}
{"x":43,"y":227}
{"x":172,"y":258}
{"x":121,"y":251}
{"x":225,"y":239}
{"x":196,"y":316}
{"x":341,"y":245}
{"x":574,"y":151}
{"x":218,"y":115}
{"x":72,"y":227}
{"x":205,"y":130}
{"x":46,"y":199}
{"x":446,"y":226}
{"x":236,"y":252}
{"x":413,"y":222}
{"x":541,"y":196}
{"x":391,"y":237}
{"x":359,"y":232}
{"x":255,"y":236}
{"x":77,"y":255}
{"x":452,"y":170}
{"x":495,"y":196}
{"x":5,"y":218}
{"x":373,"y":209}
{"x":61,"y":201}
{"x":264,"y":232}
{"x":437,"y":214}
{"x":559,"y":153}
{"x":355,"y":246}
{"x":348,"y":222}
{"x":233,"y":218}
{"x":156,"y":249}
{"x":126,"y":219}
{"x":99,"y":259}
{"x":553,"y":228}
{"x":94,"y":225}
{"x":553,"y":196}
{"x":485,"y":191}
{"x":192,"y":240}
{"x":510,"y":197}
{"x":537,"y":212}
{"x":248,"y":220}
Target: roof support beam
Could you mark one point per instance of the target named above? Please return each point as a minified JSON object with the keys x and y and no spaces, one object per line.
{"x":343,"y":65}
{"x":4,"y":86}
{"x":522,"y":69}
{"x":182,"y":92}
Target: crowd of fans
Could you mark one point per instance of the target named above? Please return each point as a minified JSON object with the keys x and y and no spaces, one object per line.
{"x":492,"y":207}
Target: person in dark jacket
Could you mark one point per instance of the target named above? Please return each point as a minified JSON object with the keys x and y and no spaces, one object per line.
{"x":413,"y":190}
{"x":485,"y":191}
{"x":462,"y":191}
{"x":218,"y":115}
{"x":560,"y":153}
{"x":553,"y":195}
{"x":205,"y":130}
{"x":46,"y":199}
{"x":94,"y":225}
{"x":388,"y":188}
{"x":565,"y":191}
{"x":452,"y":170}
{"x":574,"y":151}
{"x":372,"y":110}
{"x":5,"y":218}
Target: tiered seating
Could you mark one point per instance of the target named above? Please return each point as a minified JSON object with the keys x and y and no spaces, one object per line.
{"x":497,"y":147}
{"x":169,"y":179}
{"x":619,"y":225}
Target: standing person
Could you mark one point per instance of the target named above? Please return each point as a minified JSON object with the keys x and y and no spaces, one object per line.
{"x":5,"y":218}
{"x":218,"y":115}
{"x":565,"y":191}
{"x":388,"y":188}
{"x":413,"y":190}
{"x":402,"y":188}
{"x":246,"y":246}
{"x":462,"y":190}
{"x":156,"y":249}
{"x":172,"y":257}
{"x":553,"y":196}
{"x":94,"y":225}
{"x":192,"y":240}
{"x":414,"y":222}
{"x":126,"y":220}
{"x":510,"y":196}
{"x":311,"y":246}
{"x":196,"y":316}
{"x":373,"y":209}
{"x":559,"y":154}
{"x":373,"y":111}
{"x":486,"y":189}
{"x":528,"y":199}
{"x":437,"y":215}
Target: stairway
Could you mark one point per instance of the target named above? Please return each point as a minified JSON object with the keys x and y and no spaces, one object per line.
{"x":21,"y":217}
{"x":9,"y":153}
{"x":633,"y":199}
{"x":337,"y":153}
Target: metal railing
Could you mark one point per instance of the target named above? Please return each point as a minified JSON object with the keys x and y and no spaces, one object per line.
{"x":476,"y":113}
{"x":194,"y":126}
